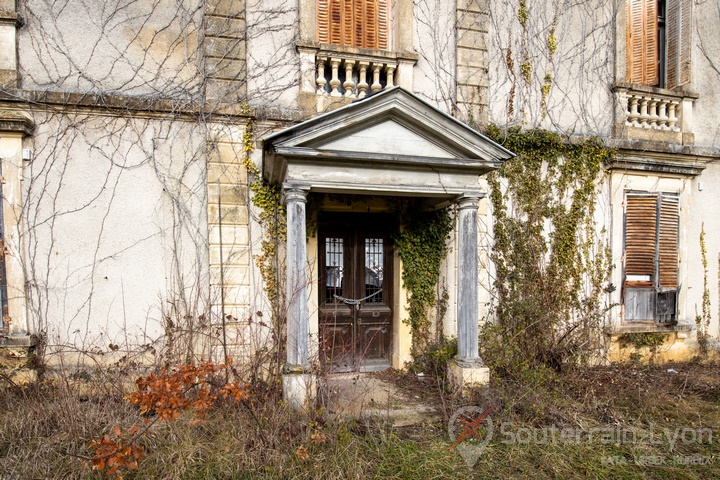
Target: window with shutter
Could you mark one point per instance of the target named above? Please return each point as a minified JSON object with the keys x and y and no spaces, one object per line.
{"x":658,"y":42}
{"x":651,"y":257}
{"x":354,"y":23}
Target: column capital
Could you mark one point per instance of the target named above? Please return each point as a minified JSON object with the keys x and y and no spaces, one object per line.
{"x":292,"y":193}
{"x":469,"y":200}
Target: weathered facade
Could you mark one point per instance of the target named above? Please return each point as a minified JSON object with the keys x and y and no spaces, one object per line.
{"x":130,"y":136}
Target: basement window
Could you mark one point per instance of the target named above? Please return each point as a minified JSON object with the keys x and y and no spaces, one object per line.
{"x":650,"y":285}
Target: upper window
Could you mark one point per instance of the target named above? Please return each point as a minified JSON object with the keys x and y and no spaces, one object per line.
{"x":658,"y":42}
{"x":354,"y":23}
{"x":651,"y":257}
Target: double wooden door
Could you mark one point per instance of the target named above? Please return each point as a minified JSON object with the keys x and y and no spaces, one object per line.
{"x":355,"y":292}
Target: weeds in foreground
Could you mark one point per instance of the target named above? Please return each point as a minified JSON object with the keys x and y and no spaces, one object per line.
{"x":162,"y":397}
{"x":45,"y":428}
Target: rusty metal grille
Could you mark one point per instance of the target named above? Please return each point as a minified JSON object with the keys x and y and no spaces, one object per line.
{"x":334,"y":268}
{"x":374,"y":258}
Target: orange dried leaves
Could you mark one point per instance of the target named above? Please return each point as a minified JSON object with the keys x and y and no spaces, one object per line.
{"x":165,"y":396}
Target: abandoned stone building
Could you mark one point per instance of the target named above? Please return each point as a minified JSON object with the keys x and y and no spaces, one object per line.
{"x":138,"y":142}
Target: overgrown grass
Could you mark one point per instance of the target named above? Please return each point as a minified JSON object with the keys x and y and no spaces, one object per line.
{"x":45,"y":429}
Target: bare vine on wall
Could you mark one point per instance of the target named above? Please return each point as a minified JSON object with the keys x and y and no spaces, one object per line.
{"x":115,"y":198}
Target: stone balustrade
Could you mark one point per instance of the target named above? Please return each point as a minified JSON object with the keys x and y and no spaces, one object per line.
{"x":333,"y":75}
{"x":353,"y":78}
{"x":652,"y":111}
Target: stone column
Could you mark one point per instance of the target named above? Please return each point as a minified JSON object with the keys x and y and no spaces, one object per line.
{"x":298,"y":381}
{"x":467,"y":281}
{"x":467,"y":368}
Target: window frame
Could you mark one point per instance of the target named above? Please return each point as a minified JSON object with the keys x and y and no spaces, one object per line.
{"x":658,"y":43}
{"x":660,"y":292}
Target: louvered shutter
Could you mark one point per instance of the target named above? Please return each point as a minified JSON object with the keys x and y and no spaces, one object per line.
{"x":668,"y":242}
{"x":323,"y":21}
{"x":640,"y":227}
{"x":641,"y":42}
{"x":685,"y":42}
{"x":679,"y":42}
{"x":383,"y":24}
{"x":355,"y":23}
{"x":651,"y":240}
{"x":370,"y":23}
{"x":348,"y":22}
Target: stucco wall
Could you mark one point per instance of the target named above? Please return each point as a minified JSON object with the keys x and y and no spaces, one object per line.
{"x":706,"y":73}
{"x":115,"y":227}
{"x":148,"y":48}
{"x":702,"y":214}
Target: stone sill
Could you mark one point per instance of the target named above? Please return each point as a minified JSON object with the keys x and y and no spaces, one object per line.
{"x":14,"y":348}
{"x":682,"y":92}
{"x":28,"y":341}
{"x":11,"y":18}
{"x":326,"y":49}
{"x":641,"y":327}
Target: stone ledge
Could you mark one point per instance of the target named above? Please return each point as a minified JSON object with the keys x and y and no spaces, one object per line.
{"x":16,"y":350}
{"x":681,"y":92}
{"x":355,"y":53}
{"x":648,"y":328}
{"x":650,"y":164}
{"x":11,"y":18}
{"x":12,"y":122}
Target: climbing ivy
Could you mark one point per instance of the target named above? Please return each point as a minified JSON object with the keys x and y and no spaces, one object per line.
{"x":703,"y":320}
{"x":272,"y":219}
{"x":422,"y":246}
{"x":551,"y":270}
{"x":640,"y":340}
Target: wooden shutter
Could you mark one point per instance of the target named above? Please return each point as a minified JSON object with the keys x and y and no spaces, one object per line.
{"x":354,"y":23}
{"x":651,"y":240}
{"x":668,"y":242}
{"x":323,"y":21}
{"x":640,"y":227}
{"x":641,"y":42}
{"x":679,"y":42}
{"x":383,"y":24}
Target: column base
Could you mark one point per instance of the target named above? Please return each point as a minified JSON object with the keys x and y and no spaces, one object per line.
{"x":467,"y":375}
{"x":299,"y":390}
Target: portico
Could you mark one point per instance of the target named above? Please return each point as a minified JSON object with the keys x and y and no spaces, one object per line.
{"x":391,"y":144}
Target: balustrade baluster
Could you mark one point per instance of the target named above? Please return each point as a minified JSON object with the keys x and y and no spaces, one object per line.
{"x":362,"y":85}
{"x":349,"y":83}
{"x":335,"y":80}
{"x":672,"y":116}
{"x":376,"y":86}
{"x":321,"y":77}
{"x":662,"y":115}
{"x":390,"y":73}
{"x":632,"y":118}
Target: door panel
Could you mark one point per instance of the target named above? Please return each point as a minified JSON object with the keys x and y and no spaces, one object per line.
{"x":355,"y":298}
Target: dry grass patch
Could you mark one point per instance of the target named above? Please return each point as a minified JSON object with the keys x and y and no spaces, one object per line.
{"x":45,"y":429}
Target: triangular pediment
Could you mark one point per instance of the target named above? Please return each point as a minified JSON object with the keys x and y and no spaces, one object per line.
{"x":393,"y":130}
{"x":385,"y":137}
